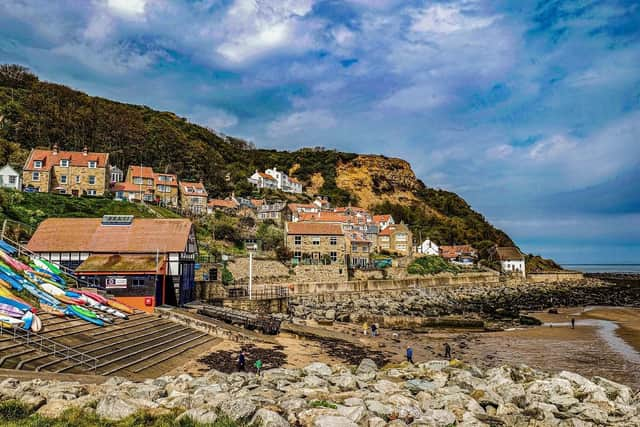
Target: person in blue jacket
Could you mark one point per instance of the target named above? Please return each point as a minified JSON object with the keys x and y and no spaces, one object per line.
{"x":409,"y":354}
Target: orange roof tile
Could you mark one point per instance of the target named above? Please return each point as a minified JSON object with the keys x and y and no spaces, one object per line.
{"x":257,"y":202}
{"x":381,"y":218}
{"x":172,"y":183}
{"x":219,"y":203}
{"x":456,"y":250}
{"x":314,"y":228}
{"x":323,"y":217}
{"x":89,"y":235}
{"x":128,"y":186}
{"x":293,"y":207}
{"x":192,"y":188}
{"x":76,"y":158}
{"x":266,"y":176}
{"x":141,"y":172}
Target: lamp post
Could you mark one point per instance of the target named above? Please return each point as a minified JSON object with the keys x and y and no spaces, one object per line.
{"x":250,"y":273}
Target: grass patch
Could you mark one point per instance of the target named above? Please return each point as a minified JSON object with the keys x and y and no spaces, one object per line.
{"x":323,"y":404}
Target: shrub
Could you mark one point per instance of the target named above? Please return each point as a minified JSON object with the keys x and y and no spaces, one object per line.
{"x":431,"y":265}
{"x":11,"y":410}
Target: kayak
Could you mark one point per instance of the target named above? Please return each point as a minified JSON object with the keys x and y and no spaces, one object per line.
{"x":120,"y":306}
{"x":49,"y":276}
{"x":41,"y":295}
{"x":20,"y":305}
{"x":9,"y":322}
{"x":4,"y":285}
{"x":11,"y":311}
{"x":38,"y":277}
{"x":5,"y":292}
{"x":97,"y":306}
{"x":36,"y":324}
{"x":84,"y":314}
{"x":46,"y":265}
{"x":93,"y":295}
{"x":57,"y":311}
{"x":14,"y":263}
{"x":7,"y":248}
{"x":13,"y":282}
{"x":28,"y":320}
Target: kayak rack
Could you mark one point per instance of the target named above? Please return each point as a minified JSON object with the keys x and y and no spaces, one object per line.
{"x":50,"y":347}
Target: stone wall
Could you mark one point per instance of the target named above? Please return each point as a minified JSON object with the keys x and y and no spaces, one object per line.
{"x":320,"y":273}
{"x":264,"y":270}
{"x":559,"y":276}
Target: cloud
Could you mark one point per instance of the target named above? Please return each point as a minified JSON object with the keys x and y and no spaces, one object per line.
{"x":502,"y":151}
{"x":554,"y":148}
{"x":446,"y":19}
{"x":127,"y":8}
{"x":304,"y":121}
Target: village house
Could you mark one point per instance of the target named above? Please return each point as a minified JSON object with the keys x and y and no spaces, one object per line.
{"x":166,"y":189}
{"x":358,"y":249}
{"x":144,"y":184}
{"x":428,"y":247}
{"x":263,"y":180}
{"x":511,"y":260}
{"x":464,"y":255}
{"x":274,"y":211}
{"x":143,"y":262}
{"x":295,"y":209}
{"x":322,"y":202}
{"x":66,"y":172}
{"x":193,"y":197}
{"x":116,"y":174}
{"x":127,"y":191}
{"x":315,"y":243}
{"x":9,"y":178}
{"x":383,"y":221}
{"x":284,"y":182}
{"x":229,"y":206}
{"x":396,"y":238}
{"x":143,"y":178}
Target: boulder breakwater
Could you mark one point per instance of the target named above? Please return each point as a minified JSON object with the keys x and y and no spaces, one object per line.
{"x":502,"y":300}
{"x":435,"y":393}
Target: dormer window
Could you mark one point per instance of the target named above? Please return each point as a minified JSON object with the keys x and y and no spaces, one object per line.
{"x":37,"y":164}
{"x":92,"y":164}
{"x":64,"y":163}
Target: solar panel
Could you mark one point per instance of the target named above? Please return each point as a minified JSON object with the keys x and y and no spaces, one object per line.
{"x":117,"y":219}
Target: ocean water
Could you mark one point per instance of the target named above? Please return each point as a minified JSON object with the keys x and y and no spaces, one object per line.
{"x":604,"y":268}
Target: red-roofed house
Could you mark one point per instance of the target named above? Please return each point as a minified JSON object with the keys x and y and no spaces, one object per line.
{"x":315,"y":242}
{"x":460,"y":254}
{"x":263,"y":180}
{"x":152,"y":186}
{"x":396,"y":238}
{"x":295,"y":209}
{"x":383,"y":221}
{"x":225,"y":205}
{"x":193,"y":197}
{"x":67,"y":172}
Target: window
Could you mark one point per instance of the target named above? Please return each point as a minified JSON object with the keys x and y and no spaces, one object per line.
{"x":62,"y":191}
{"x":77,"y":179}
{"x":354,"y":247}
{"x":137,"y":180}
{"x":37,"y":164}
{"x":334,"y":256}
{"x":315,"y":241}
{"x":401,"y":247}
{"x":297,"y":240}
{"x":13,"y":179}
{"x":35,"y":176}
{"x":297,"y":255}
{"x":64,"y":163}
{"x":333,"y":240}
{"x":148,"y":197}
{"x":92,"y":164}
{"x":92,"y":179}
{"x":384,"y":238}
{"x":401,"y":237}
{"x":91,"y":192}
{"x":63,"y":179}
{"x":137,"y":283}
{"x":365,"y":249}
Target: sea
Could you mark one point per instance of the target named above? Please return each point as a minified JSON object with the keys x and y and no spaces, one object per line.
{"x":604,"y":268}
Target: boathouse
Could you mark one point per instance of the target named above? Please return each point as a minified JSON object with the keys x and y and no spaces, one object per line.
{"x":143,"y":262}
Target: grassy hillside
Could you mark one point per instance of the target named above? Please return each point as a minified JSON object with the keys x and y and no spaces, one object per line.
{"x":35,"y":113}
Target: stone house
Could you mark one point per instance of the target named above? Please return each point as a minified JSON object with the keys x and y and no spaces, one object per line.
{"x":358,"y":249}
{"x":161,"y":188}
{"x":128,"y":192}
{"x":383,"y":221}
{"x":459,"y":254}
{"x":193,"y":197}
{"x":229,"y":206}
{"x":274,"y":211}
{"x":511,"y":260}
{"x":66,"y":172}
{"x":396,"y":238}
{"x":9,"y":178}
{"x":315,"y":243}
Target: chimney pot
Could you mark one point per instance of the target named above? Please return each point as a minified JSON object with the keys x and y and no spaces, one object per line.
{"x":85,"y":150}
{"x":55,"y":149}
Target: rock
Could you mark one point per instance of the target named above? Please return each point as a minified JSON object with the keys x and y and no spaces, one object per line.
{"x":376,"y":422}
{"x":238,"y":409}
{"x":512,"y":393}
{"x":313,"y":381}
{"x":330,"y":314}
{"x":145,"y":391}
{"x":292,"y":405}
{"x":354,"y":413}
{"x":386,"y":387}
{"x":353,"y":401}
{"x":33,"y":401}
{"x":405,"y":407}
{"x":437,"y":417}
{"x":417,"y":385}
{"x":333,"y":421}
{"x":366,"y":366}
{"x":318,"y":369}
{"x":563,"y":402}
{"x":114,"y":408}
{"x":617,"y":392}
{"x":344,"y":381}
{"x":199,"y":415}
{"x":267,"y":418}
{"x":379,"y":408}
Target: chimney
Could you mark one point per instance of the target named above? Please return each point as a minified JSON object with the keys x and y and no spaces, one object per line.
{"x":55,"y":149}
{"x":85,"y":150}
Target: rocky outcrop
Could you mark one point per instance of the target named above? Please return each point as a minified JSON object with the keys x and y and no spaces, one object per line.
{"x":494,"y":301}
{"x":435,"y":393}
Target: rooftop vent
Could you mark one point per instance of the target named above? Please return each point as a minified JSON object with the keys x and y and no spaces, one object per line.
{"x":117,"y":219}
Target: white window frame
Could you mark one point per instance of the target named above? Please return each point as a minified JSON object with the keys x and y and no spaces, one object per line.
{"x":63,"y":179}
{"x":64,"y":163}
{"x":91,"y":192}
{"x":334,"y":256}
{"x":92,"y":178}
{"x":35,"y":176}
{"x":333,"y":240}
{"x":13,"y":179}
{"x":315,"y":240}
{"x":92,"y":164}
{"x":297,"y":240}
{"x":297,"y":255}
{"x":37,"y":164}
{"x":77,"y":179}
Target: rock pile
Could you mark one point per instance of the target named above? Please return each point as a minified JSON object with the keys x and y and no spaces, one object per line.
{"x":491,"y":301}
{"x":435,"y":393}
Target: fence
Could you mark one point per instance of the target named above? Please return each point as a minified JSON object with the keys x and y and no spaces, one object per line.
{"x":261,"y":292}
{"x":50,"y":347}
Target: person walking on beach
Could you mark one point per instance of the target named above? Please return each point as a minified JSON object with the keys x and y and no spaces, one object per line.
{"x":410,"y":354}
{"x":241,"y":361}
{"x":573,"y":323}
{"x":374,"y":329}
{"x":447,"y":351}
{"x":258,"y":366}
{"x":365,"y":328}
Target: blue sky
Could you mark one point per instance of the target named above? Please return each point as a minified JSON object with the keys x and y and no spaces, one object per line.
{"x":530,"y":110}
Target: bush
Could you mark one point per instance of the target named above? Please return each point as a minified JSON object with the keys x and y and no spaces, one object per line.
{"x":11,"y":410}
{"x":227,"y":276}
{"x":431,"y":265}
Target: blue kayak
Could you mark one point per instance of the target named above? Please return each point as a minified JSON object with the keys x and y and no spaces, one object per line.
{"x":17,"y":304}
{"x":79,"y":312}
{"x":15,"y":283}
{"x":41,"y":295}
{"x":28,"y":320}
{"x":7,"y":248}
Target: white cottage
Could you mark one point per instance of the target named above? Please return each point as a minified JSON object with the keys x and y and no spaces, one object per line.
{"x":9,"y":178}
{"x":428,"y":247}
{"x":511,"y":260}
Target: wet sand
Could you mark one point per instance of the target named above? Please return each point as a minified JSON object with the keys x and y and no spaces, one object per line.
{"x":605,"y":342}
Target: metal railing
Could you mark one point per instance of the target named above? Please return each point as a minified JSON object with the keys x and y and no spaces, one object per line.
{"x":50,"y":347}
{"x":260,"y":292}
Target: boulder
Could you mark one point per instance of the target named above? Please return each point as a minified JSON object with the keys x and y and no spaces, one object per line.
{"x":367,"y":366}
{"x":318,"y":369}
{"x":238,"y":409}
{"x":386,"y":387}
{"x":354,"y":413}
{"x":199,"y":415}
{"x":115,"y":408}
{"x":379,"y":408}
{"x":417,"y":385}
{"x":330,"y":314}
{"x":266,"y":418}
{"x":344,"y":381}
{"x":333,"y":421}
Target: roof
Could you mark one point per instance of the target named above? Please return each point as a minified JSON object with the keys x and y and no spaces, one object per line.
{"x":76,"y":158}
{"x":121,"y":263}
{"x":9,"y":169}
{"x":356,"y":237}
{"x":294,"y":207}
{"x":381,"y":218}
{"x":456,"y":250}
{"x":172,"y":183}
{"x":191,"y":188}
{"x":393,"y":228}
{"x":314,"y":228}
{"x":509,"y":253}
{"x":266,"y":176}
{"x":323,"y":217}
{"x":128,"y":186}
{"x":219,"y":203}
{"x":257,"y":202}
{"x":141,"y":171}
{"x":89,"y":235}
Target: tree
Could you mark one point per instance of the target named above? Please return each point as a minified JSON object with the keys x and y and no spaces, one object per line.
{"x":16,"y":76}
{"x":227,"y":276}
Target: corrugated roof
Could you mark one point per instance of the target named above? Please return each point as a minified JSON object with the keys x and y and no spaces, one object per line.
{"x":509,"y":253}
{"x":314,"y":228}
{"x":76,"y":158}
{"x":89,"y":235}
{"x":121,"y":263}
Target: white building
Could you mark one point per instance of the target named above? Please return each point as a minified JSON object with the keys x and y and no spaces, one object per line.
{"x":9,"y":178}
{"x":273,"y":178}
{"x":511,"y":260}
{"x":428,"y":247}
{"x":116,"y":174}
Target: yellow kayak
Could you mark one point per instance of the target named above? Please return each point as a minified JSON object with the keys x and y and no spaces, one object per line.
{"x":120,"y":306}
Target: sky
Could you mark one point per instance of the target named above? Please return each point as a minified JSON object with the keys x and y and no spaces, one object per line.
{"x":529,"y":110}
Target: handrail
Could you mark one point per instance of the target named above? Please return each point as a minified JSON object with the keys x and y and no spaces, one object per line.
{"x":50,"y":347}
